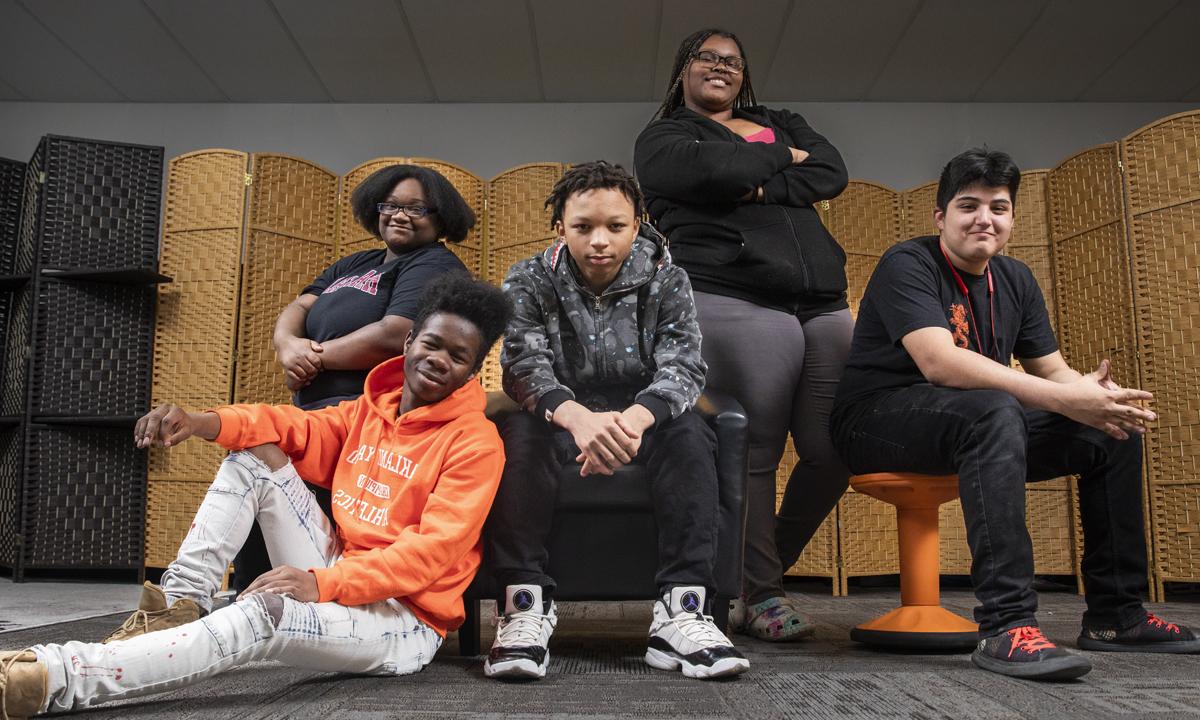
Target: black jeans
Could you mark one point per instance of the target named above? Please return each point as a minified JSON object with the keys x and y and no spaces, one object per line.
{"x":996,"y":446}
{"x":680,"y":457}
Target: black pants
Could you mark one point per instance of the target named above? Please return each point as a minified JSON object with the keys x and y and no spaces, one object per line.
{"x":680,"y":456}
{"x":996,"y":446}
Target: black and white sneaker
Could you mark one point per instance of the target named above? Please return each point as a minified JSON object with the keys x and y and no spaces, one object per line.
{"x":522,"y":633}
{"x":683,"y":638}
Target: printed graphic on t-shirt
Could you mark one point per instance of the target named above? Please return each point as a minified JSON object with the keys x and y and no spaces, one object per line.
{"x":962,"y":329}
{"x":368,"y":282}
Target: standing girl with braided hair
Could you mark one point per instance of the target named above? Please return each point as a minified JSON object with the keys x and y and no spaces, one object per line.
{"x":733,"y":184}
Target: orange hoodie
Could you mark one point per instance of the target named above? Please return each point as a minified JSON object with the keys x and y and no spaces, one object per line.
{"x":410,"y":492}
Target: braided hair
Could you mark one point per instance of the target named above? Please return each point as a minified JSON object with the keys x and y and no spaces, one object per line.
{"x":683,"y":60}
{"x":597,"y":175}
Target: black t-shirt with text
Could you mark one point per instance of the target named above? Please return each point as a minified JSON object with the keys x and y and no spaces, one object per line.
{"x":913,"y":288}
{"x":361,"y":289}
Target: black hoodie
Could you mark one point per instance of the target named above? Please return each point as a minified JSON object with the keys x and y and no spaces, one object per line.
{"x":695,"y":172}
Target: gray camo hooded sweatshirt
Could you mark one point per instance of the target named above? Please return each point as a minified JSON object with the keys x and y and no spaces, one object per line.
{"x":638,"y":341}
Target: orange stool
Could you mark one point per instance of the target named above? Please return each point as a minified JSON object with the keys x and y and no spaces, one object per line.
{"x":920,"y":623}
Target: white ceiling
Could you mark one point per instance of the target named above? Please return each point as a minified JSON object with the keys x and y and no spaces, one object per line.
{"x":413,"y":51}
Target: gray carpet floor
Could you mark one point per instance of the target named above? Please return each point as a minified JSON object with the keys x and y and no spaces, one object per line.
{"x":596,"y":671}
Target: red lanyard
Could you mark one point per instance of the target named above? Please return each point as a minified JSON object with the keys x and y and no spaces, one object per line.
{"x":991,"y":305}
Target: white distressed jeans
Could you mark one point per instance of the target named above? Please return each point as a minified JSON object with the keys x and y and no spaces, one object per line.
{"x":383,"y":638}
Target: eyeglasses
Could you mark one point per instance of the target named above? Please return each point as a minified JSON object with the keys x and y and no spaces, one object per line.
{"x":413,"y":211}
{"x":734,"y":63}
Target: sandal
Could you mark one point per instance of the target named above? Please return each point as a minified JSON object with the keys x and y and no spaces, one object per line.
{"x":775,"y":620}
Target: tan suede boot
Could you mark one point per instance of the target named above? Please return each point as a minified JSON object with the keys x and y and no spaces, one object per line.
{"x":22,"y":685}
{"x":153,"y":615}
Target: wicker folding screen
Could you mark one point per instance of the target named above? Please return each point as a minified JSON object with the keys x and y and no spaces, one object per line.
{"x":14,"y":380}
{"x":12,"y":185}
{"x":290,"y":239}
{"x":12,"y":176}
{"x":102,"y":203}
{"x":12,"y":179}
{"x":518,"y":226}
{"x":195,"y":331}
{"x":1091,"y":263}
{"x":919,"y":204}
{"x":84,"y":499}
{"x":12,"y":438}
{"x":1162,"y":165}
{"x":98,"y":211}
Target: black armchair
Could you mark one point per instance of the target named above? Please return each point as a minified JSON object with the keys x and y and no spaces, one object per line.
{"x":604,"y":545}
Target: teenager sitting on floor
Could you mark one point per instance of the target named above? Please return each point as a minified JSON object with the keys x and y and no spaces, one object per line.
{"x":413,"y":465}
{"x":928,"y":389}
{"x":603,"y":354}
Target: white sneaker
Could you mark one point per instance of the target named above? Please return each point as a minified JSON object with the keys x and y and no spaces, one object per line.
{"x":522,"y":635}
{"x":682,"y":637}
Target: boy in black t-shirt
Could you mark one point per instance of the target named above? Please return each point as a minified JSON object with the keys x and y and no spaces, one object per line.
{"x":928,"y":389}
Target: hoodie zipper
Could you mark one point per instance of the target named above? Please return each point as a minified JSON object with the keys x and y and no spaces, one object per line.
{"x":597,"y":310}
{"x":597,"y":321}
{"x":799,"y":251}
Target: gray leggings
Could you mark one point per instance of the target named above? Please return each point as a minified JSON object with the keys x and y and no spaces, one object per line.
{"x":785,"y":374}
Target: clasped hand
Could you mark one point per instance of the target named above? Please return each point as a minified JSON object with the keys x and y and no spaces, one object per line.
{"x":1097,"y":400}
{"x":606,"y":440}
{"x":301,"y":361}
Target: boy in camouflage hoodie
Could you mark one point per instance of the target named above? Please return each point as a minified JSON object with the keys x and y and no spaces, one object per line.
{"x":603,"y":355}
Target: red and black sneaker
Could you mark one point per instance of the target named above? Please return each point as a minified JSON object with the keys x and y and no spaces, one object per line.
{"x":1024,"y":652}
{"x":1153,"y":635}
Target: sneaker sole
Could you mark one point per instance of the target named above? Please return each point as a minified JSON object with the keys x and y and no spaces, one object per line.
{"x":726,"y":667}
{"x":522,"y":668}
{"x":1181,"y":647}
{"x":1066,"y":668}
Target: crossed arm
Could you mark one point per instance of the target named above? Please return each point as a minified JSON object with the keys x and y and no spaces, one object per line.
{"x":302,"y":359}
{"x":734,"y":171}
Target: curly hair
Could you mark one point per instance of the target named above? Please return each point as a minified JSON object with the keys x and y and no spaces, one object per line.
{"x":594,"y":175}
{"x":978,"y":165}
{"x":683,"y":60}
{"x":483,"y":305}
{"x":454,"y":218}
